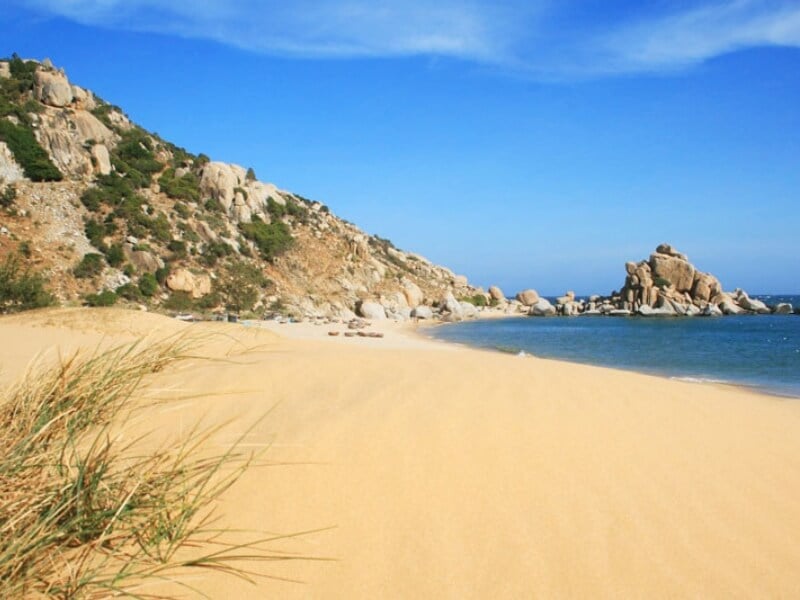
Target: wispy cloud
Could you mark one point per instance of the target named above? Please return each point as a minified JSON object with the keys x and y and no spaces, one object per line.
{"x":690,"y":37}
{"x":543,"y":37}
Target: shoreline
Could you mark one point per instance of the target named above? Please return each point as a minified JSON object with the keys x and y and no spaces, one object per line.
{"x":433,"y":470}
{"x":765,"y":389}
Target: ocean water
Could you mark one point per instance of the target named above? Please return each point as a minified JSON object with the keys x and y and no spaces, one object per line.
{"x":760,"y":351}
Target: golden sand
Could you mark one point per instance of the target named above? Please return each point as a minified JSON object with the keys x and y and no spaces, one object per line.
{"x":446,"y":472}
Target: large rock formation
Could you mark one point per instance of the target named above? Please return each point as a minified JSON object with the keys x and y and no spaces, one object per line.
{"x":528,"y":297}
{"x":668,"y":284}
{"x":183,"y":280}
{"x":52,"y":88}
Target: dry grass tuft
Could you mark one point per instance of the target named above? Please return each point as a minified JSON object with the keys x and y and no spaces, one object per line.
{"x":85,"y":515}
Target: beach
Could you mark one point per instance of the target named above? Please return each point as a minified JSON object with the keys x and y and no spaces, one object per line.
{"x":430,"y":470}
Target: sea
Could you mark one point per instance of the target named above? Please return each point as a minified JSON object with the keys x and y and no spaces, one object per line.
{"x":757,"y":351}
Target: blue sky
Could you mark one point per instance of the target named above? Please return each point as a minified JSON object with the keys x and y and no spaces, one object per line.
{"x":531,"y":144}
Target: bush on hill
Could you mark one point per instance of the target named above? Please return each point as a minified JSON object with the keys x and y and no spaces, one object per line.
{"x":21,"y":289}
{"x":148,"y":285}
{"x":8,"y":196}
{"x":105,"y":298}
{"x":91,"y":265}
{"x":28,"y":153}
{"x":272,"y":239}
{"x":240,"y":285}
{"x":186,"y":187}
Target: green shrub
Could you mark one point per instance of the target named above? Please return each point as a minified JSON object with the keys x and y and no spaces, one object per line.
{"x":275,"y":210}
{"x":8,"y":197}
{"x":177,"y":247}
{"x":22,"y":70}
{"x":134,"y":157}
{"x":111,"y":190}
{"x":186,"y":187}
{"x":129,"y":292}
{"x":95,"y":232}
{"x":148,"y":285}
{"x":182,"y":210}
{"x":28,"y":153}
{"x":240,"y":285}
{"x":188,"y":233}
{"x":162,"y":274}
{"x":214,"y":251}
{"x":104,"y":298}
{"x":20,"y":289}
{"x":103,"y":111}
{"x":91,"y":265}
{"x":159,"y":228}
{"x":213,"y":205}
{"x":115,"y":256}
{"x":272,"y":239}
{"x":476,"y":300}
{"x":179,"y":301}
{"x":251,"y":174}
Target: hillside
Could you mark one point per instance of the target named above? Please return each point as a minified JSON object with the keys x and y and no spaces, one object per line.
{"x":108,"y":212}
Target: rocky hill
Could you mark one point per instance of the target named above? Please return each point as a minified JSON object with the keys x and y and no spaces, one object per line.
{"x":109,"y":212}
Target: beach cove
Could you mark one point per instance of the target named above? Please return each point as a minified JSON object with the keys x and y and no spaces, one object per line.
{"x":442,"y":471}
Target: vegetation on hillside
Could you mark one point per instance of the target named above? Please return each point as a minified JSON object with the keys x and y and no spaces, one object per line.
{"x":16,"y":103}
{"x":20,"y":288}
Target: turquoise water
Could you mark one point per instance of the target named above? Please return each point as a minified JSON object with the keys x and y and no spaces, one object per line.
{"x":757,"y":351}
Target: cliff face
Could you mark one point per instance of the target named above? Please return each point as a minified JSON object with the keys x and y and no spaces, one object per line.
{"x":102,"y":204}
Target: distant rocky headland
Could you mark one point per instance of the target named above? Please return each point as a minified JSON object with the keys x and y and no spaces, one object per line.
{"x":664,"y":285}
{"x":96,"y":210}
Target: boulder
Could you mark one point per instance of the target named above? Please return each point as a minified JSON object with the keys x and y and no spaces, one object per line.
{"x":83,"y":98}
{"x":468,"y":310}
{"x":528,"y":297}
{"x":372,"y":310}
{"x":705,"y":287}
{"x":451,"y":305}
{"x":101,"y":159}
{"x":678,"y":272}
{"x":144,"y":261}
{"x":710,"y":310}
{"x":10,"y":171}
{"x":52,"y":87}
{"x":5,"y":70}
{"x":88,"y":127}
{"x":670,"y":251}
{"x":422,"y":312}
{"x":784,"y":308}
{"x":413,"y":293}
{"x":183,"y":280}
{"x":542,"y":308}
{"x":753,"y":305}
{"x":649,"y":311}
{"x":729,"y":308}
{"x":496,"y":293}
{"x":220,"y":180}
{"x":460,"y":281}
{"x":570,"y":308}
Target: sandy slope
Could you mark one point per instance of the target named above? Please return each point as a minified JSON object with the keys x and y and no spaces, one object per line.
{"x":454,"y":473}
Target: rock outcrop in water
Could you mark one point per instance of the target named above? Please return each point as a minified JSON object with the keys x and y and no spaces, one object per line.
{"x":666,"y":284}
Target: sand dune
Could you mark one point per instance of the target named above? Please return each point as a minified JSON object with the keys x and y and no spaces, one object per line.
{"x":453,"y":473}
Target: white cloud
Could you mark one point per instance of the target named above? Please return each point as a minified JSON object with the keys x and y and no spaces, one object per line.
{"x":696,"y":35}
{"x":469,"y":29}
{"x":539,"y":37}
